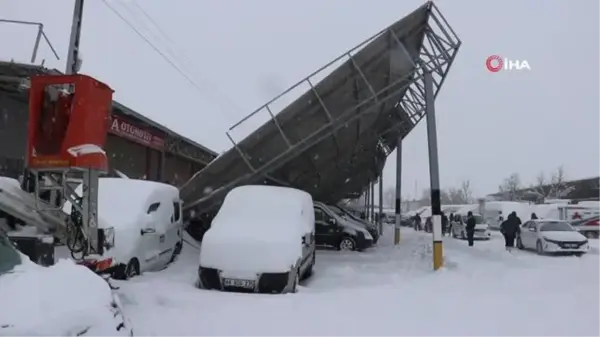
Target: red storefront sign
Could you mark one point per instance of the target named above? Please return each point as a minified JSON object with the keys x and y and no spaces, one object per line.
{"x":123,"y":128}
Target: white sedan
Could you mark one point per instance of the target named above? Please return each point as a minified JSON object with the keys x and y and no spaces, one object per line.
{"x":63,"y":300}
{"x":552,"y":236}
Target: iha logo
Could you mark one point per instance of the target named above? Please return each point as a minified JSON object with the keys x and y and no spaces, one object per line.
{"x":496,"y":63}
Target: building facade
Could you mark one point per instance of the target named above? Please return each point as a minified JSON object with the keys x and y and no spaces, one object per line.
{"x":135,"y":145}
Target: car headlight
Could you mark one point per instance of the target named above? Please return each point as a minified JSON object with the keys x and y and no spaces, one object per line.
{"x":550,"y":241}
{"x":368,"y":235}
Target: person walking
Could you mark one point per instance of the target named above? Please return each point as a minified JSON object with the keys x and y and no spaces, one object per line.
{"x":444,"y":224}
{"x":510,"y":228}
{"x":417,"y":221}
{"x":470,"y":227}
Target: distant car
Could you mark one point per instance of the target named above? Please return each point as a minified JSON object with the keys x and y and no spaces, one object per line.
{"x":331,"y":230}
{"x":146,"y":220}
{"x":589,"y":227}
{"x":62,"y":300}
{"x":552,"y":236}
{"x":261,"y":240}
{"x":370,"y":227}
{"x":458,"y":227}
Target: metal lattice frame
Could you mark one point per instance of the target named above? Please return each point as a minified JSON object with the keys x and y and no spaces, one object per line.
{"x":405,"y":96}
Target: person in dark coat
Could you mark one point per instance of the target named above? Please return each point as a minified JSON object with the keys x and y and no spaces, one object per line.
{"x":510,"y":228}
{"x":444,"y":224}
{"x":417,"y":221}
{"x":534,"y":216}
{"x":517,"y":218}
{"x":470,"y":227}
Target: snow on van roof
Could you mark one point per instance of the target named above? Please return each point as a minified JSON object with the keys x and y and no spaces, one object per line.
{"x":260,"y":207}
{"x":258,"y":229}
{"x":122,"y":201}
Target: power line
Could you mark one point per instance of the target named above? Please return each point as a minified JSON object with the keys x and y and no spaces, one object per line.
{"x":156,"y":25}
{"x":184,"y":60}
{"x":156,"y":49}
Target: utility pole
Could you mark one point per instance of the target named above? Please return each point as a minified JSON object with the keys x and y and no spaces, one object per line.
{"x":89,"y":205}
{"x":73,"y":60}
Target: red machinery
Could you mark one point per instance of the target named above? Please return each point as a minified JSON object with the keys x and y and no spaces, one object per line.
{"x":68,"y":124}
{"x":60,"y":121}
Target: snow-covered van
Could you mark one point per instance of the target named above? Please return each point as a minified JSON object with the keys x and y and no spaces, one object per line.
{"x":261,"y":240}
{"x":147,"y":222}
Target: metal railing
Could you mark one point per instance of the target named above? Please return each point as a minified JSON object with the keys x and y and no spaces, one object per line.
{"x":40,"y":34}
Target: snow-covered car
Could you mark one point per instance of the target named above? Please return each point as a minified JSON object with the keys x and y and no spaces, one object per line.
{"x":551,"y":236}
{"x":261,"y":240}
{"x":458,"y":227}
{"x":334,"y":231}
{"x":62,"y":300}
{"x":370,"y":227}
{"x":145,"y":217}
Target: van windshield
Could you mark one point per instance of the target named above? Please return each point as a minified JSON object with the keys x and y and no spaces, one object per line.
{"x":9,"y":256}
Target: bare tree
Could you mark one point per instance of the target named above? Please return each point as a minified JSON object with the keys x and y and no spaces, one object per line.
{"x":510,"y":186}
{"x":559,"y":188}
{"x":466,"y":193}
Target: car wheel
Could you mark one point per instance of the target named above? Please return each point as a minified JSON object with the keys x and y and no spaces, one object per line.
{"x":125,"y":272}
{"x":309,"y":270}
{"x":296,"y":282}
{"x":347,"y":244}
{"x":176,"y":252}
{"x":539,"y":248}
{"x":520,"y":244}
{"x":591,"y":235}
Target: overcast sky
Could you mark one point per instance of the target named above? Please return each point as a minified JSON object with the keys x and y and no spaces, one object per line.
{"x":241,"y":53}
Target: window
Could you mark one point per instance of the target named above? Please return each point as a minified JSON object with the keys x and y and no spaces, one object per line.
{"x":556,"y":226}
{"x":319,"y":215}
{"x":176,"y":211}
{"x":153,"y":207}
{"x":9,"y":256}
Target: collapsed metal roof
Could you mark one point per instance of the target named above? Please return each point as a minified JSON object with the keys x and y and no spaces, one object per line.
{"x":333,"y":140}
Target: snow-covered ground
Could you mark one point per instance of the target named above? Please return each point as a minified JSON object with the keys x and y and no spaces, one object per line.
{"x":388,"y":290}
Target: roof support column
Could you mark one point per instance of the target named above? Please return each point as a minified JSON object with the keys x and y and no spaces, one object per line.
{"x":372,"y":201}
{"x":398,"y":189}
{"x":434,"y":174}
{"x":380,"y":217}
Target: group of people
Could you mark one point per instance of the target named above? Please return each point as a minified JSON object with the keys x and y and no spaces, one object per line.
{"x":510,"y":228}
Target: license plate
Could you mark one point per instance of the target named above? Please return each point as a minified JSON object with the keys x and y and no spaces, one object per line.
{"x":231,"y":282}
{"x":570,"y":246}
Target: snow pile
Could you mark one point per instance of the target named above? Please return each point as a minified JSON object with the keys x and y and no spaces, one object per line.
{"x":123,"y":202}
{"x":258,"y":229}
{"x":62,"y":300}
{"x":388,"y":291}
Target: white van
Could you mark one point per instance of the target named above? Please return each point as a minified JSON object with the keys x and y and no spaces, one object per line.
{"x":147,"y":222}
{"x":261,"y":240}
